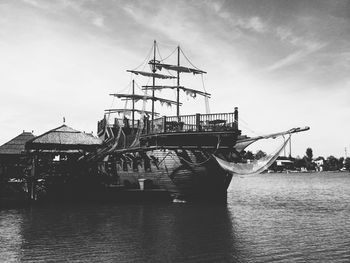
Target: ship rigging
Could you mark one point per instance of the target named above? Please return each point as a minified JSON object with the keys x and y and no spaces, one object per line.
{"x":193,"y":156}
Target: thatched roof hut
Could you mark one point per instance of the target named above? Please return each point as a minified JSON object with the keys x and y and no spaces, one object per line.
{"x":64,"y":138}
{"x":16,"y":146}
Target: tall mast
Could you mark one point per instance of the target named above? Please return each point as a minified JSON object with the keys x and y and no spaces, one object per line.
{"x":153,"y":78}
{"x":133,"y":102}
{"x":178,"y":83}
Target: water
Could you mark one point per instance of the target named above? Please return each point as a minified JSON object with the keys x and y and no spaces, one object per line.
{"x":268,"y":218}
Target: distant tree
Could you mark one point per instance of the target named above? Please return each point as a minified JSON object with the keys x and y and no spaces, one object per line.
{"x":332,"y":163}
{"x":309,"y":154}
{"x":309,"y":164}
{"x":299,"y":163}
{"x":340,"y":163}
{"x":347,"y":163}
{"x":260,"y":154}
{"x":308,"y":160}
{"x":319,"y":158}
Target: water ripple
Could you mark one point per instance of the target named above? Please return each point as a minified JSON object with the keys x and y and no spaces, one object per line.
{"x":269,"y":218}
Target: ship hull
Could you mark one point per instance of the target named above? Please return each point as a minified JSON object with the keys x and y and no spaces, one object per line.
{"x":191,"y":175}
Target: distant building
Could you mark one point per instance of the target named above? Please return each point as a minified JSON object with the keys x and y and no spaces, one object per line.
{"x":13,"y":156}
{"x":282,"y":164}
{"x":319,"y":164}
{"x":64,"y":139}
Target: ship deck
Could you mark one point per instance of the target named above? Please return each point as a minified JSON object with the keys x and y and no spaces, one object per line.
{"x":219,"y":130}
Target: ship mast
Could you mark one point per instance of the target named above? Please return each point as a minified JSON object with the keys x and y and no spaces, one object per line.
{"x":178,"y":83}
{"x":179,"y":69}
{"x":133,"y":102}
{"x":155,"y":66}
{"x":153,"y":78}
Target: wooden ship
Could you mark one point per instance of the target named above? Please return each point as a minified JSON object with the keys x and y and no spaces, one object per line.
{"x":187,"y":155}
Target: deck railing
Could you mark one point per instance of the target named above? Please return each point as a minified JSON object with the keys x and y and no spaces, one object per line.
{"x":184,"y":123}
{"x":195,"y":123}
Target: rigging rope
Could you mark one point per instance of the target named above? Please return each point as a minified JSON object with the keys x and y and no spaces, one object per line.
{"x":188,"y":59}
{"x":168,"y":55}
{"x":158,"y":50}
{"x":118,"y":91}
{"x":253,"y":168}
{"x":140,"y":126}
{"x":206,"y":99}
{"x":247,"y":126}
{"x":145,"y":60}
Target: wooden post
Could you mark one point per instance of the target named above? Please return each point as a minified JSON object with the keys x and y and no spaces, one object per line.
{"x":198,"y":119}
{"x":164,"y":123}
{"x":236,"y":117}
{"x":32,"y":194}
{"x":290,"y":147}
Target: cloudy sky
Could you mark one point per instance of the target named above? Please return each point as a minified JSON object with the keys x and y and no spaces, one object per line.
{"x":283,"y":63}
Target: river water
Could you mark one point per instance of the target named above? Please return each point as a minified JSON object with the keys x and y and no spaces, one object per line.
{"x":268,"y":218}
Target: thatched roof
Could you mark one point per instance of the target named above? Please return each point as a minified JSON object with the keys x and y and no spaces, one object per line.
{"x":64,"y":138}
{"x":16,"y":145}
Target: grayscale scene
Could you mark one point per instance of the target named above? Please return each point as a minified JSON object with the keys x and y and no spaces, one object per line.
{"x":175,"y":131}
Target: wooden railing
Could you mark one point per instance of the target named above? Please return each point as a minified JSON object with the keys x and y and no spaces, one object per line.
{"x":195,"y":123}
{"x":184,"y":123}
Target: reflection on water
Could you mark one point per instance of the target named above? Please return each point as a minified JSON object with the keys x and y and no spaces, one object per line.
{"x":293,"y":217}
{"x":269,"y":218}
{"x":128,"y":233}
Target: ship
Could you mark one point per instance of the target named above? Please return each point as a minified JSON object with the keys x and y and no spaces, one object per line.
{"x":191,"y":156}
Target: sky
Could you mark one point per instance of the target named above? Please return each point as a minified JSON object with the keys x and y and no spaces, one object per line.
{"x":284,"y":64}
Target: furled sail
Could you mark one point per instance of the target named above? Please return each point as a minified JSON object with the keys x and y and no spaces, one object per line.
{"x":150,"y":74}
{"x":129,"y":111}
{"x":176,"y":68}
{"x":254,"y":167}
{"x":188,"y":91}
{"x":143,"y":97}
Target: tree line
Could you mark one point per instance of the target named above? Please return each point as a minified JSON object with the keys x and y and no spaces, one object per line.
{"x":308,"y":161}
{"x":329,"y":163}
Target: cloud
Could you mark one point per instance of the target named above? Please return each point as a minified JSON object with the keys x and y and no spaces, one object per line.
{"x":98,"y":21}
{"x":253,"y":23}
{"x":32,"y":2}
{"x":59,"y":47}
{"x":62,"y":6}
{"x":290,"y":46}
{"x":286,"y":35}
{"x":295,"y":57}
{"x":85,"y":12}
{"x":301,"y":45}
{"x":288,"y":60}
